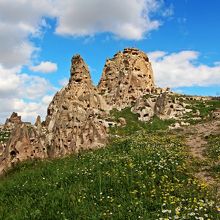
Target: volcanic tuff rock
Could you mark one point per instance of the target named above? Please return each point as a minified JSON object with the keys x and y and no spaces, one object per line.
{"x":74,"y":119}
{"x":12,"y":121}
{"x":24,"y":143}
{"x":126,"y":77}
{"x":164,"y":106}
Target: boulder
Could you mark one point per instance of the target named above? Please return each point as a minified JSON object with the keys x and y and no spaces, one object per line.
{"x":122,"y":121}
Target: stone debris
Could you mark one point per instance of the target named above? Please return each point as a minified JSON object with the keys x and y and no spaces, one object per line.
{"x":122,"y":122}
{"x":174,"y":126}
{"x":164,"y":106}
{"x":216,"y":114}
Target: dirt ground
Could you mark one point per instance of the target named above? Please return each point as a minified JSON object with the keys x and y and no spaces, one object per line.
{"x":196,"y":141}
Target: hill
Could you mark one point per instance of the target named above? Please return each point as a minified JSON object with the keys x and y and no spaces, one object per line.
{"x":125,"y":149}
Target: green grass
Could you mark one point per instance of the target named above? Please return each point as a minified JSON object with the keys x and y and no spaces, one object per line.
{"x":4,"y":136}
{"x":133,"y":124}
{"x":144,"y":176}
{"x":212,"y":152}
{"x":213,"y":147}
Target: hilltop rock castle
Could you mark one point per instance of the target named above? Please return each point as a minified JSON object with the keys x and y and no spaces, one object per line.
{"x":78,"y":117}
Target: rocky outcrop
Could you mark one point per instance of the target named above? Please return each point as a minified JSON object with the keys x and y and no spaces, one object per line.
{"x":24,"y":143}
{"x":11,"y":122}
{"x":165,"y":106}
{"x":38,"y":121}
{"x":1,"y":148}
{"x":126,"y":77}
{"x":75,"y":115}
{"x":75,"y":121}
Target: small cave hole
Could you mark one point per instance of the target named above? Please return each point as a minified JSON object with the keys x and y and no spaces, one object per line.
{"x":13,"y":153}
{"x":78,"y":80}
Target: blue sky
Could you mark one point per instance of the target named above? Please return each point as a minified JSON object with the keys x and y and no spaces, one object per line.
{"x":38,"y":39}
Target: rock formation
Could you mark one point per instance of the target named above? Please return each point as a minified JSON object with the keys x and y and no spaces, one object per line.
{"x":11,"y":122}
{"x":126,"y":77}
{"x":74,"y":119}
{"x":38,"y":121}
{"x":24,"y":143}
{"x":164,"y":106}
{"x":78,"y":116}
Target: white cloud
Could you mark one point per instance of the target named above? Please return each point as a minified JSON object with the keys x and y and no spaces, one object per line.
{"x":183,"y":69}
{"x":28,"y":110}
{"x":47,"y":99}
{"x":18,"y":20}
{"x":25,"y":94}
{"x":124,"y":18}
{"x":44,"y":67}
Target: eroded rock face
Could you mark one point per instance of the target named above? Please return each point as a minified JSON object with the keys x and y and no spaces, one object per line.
{"x":164,"y":106}
{"x":74,"y":119}
{"x":23,"y":144}
{"x":11,"y":122}
{"x":126,"y":77}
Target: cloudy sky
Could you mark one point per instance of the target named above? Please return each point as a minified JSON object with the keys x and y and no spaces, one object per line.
{"x":39,"y":37}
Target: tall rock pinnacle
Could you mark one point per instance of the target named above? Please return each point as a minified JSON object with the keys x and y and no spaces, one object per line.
{"x":79,"y":71}
{"x":74,"y":115}
{"x":126,"y":77}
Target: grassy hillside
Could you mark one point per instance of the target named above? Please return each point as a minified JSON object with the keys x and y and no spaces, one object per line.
{"x":144,"y":173}
{"x":141,"y":177}
{"x":134,"y":125}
